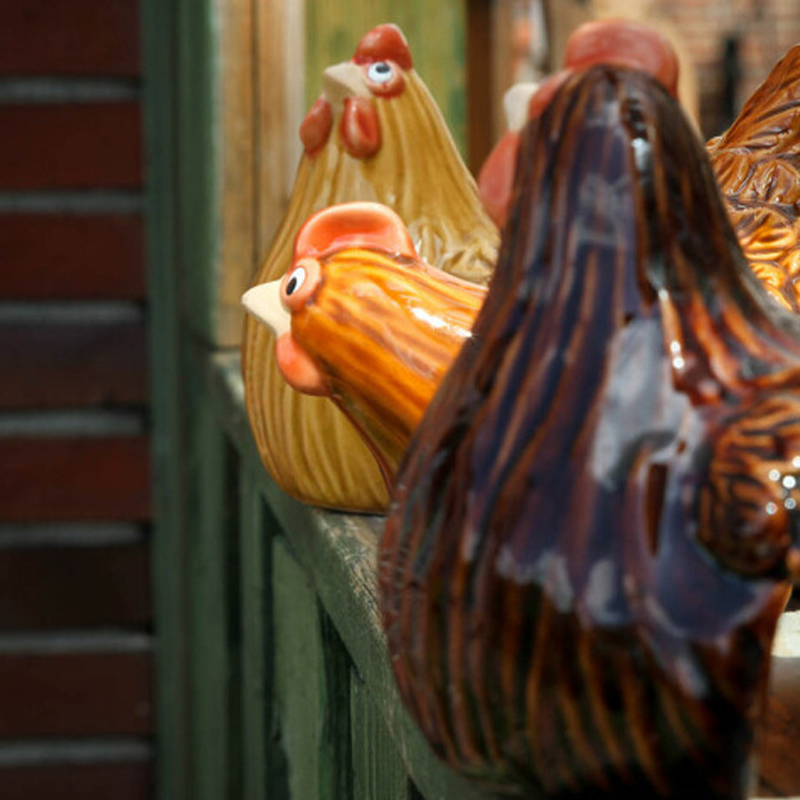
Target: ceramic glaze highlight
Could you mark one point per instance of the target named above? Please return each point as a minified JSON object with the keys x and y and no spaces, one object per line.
{"x":306,"y":443}
{"x":593,"y":530}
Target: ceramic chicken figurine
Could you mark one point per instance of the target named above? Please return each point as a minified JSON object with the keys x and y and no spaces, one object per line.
{"x":360,"y":318}
{"x":377,"y":135}
{"x":611,"y":41}
{"x":757,"y":162}
{"x":593,"y":531}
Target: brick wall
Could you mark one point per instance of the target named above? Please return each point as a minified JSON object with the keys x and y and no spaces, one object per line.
{"x":765,"y":30}
{"x":75,"y":616}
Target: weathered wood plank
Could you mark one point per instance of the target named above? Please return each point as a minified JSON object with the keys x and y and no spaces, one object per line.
{"x":298,"y":673}
{"x":281,"y":81}
{"x":75,"y":587}
{"x":378,"y":770}
{"x":77,"y":781}
{"x":69,"y":37}
{"x":52,"y":365}
{"x":214,"y":612}
{"x":61,"y":479}
{"x":77,"y":146}
{"x":170,"y":400}
{"x":83,"y":694}
{"x":71,"y":256}
{"x":312,"y":689}
{"x":263,"y":762}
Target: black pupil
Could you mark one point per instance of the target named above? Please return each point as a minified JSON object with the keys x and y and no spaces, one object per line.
{"x":382,"y":68}
{"x":291,"y":286}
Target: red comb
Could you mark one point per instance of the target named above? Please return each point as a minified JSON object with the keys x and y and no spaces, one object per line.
{"x":382,"y":43}
{"x":353,"y":225}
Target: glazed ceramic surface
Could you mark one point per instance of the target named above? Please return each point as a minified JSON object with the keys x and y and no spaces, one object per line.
{"x":375,"y":134}
{"x":757,"y":162}
{"x":592,"y":534}
{"x":361,"y":319}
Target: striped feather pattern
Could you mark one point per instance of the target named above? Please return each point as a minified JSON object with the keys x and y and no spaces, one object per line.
{"x":757,"y":162}
{"x":554,"y":617}
{"x":385,"y":329}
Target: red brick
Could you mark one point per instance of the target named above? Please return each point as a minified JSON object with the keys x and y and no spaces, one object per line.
{"x":73,"y":365}
{"x":67,"y":256}
{"x":74,"y":587}
{"x":79,"y":146}
{"x":86,"y":694}
{"x":63,"y":479}
{"x":69,"y":37}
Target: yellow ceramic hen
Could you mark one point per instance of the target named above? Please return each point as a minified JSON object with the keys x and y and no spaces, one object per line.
{"x":377,"y":135}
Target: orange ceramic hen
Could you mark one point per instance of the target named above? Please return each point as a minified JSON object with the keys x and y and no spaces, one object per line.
{"x":375,"y":134}
{"x":757,"y":162}
{"x":362,"y":319}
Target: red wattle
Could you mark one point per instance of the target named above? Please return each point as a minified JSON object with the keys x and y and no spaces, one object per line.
{"x":297,"y":368}
{"x":316,"y":127}
{"x":496,"y":178}
{"x":360,"y":128}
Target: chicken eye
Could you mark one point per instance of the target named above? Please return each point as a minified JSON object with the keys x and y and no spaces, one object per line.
{"x":380,"y":72}
{"x":296,"y":280}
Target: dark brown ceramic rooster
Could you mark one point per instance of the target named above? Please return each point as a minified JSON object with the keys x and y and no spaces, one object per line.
{"x":595,"y":527}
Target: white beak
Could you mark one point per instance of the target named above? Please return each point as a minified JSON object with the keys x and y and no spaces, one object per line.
{"x":515,"y":104}
{"x":264,"y":303}
{"x":341,"y":81}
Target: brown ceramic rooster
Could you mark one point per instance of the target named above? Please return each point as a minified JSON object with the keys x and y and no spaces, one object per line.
{"x":757,"y":162}
{"x":376,"y":134}
{"x":594,"y":526}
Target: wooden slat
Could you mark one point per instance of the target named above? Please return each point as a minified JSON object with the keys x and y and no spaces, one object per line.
{"x":63,"y":479}
{"x":70,"y":256}
{"x":262,"y":761}
{"x":298,"y":673}
{"x":74,"y":587}
{"x":214,"y":620}
{"x":378,"y":770}
{"x":77,"y":782}
{"x":61,"y":366}
{"x":69,"y":37}
{"x":170,"y":403}
{"x":87,"y":694}
{"x":78,"y":146}
{"x":480,"y":83}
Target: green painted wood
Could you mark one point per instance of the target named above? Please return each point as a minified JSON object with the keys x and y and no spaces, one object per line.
{"x":264,"y":774}
{"x":196,"y":161}
{"x":336,"y":559}
{"x":378,"y":770}
{"x":311,"y":686}
{"x":213,"y":641}
{"x":436,"y":33}
{"x":166,"y":403}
